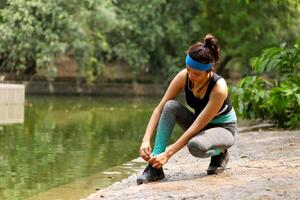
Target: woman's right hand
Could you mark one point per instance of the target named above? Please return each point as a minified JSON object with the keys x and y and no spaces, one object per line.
{"x":145,"y":150}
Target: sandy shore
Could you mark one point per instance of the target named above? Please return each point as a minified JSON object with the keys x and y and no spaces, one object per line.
{"x":263,"y":165}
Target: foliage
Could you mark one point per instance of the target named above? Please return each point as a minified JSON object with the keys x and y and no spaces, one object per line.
{"x":154,"y":39}
{"x":35,"y":32}
{"x":274,"y":93}
{"x":246,"y":27}
{"x":30,"y":34}
{"x":148,"y":37}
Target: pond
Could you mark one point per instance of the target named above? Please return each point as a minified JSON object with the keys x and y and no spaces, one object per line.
{"x":69,"y":146}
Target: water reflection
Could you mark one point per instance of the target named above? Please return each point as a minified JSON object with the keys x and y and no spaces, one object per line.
{"x":11,"y":114}
{"x":84,"y":186}
{"x":64,"y":139}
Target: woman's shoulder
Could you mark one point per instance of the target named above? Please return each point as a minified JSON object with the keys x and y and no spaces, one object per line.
{"x":220,"y":85}
{"x":217,"y":76}
{"x":183,"y":72}
{"x":181,"y":75}
{"x":179,"y":80}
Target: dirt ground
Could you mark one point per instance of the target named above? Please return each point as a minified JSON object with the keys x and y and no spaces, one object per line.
{"x":263,"y":165}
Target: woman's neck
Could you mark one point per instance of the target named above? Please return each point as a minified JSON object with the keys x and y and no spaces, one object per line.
{"x":208,"y":75}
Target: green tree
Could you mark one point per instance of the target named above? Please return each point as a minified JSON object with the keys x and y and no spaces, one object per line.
{"x":34,"y":33}
{"x":149,"y":37}
{"x":153,"y":36}
{"x":246,"y":27}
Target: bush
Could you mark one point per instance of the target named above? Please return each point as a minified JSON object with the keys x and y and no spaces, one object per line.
{"x":274,"y":92}
{"x":34,"y":33}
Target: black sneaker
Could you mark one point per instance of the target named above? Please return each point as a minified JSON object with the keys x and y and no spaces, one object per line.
{"x":218,"y":163}
{"x":150,"y":174}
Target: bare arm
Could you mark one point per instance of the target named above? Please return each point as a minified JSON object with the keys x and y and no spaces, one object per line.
{"x":217,"y":97}
{"x":176,"y":85}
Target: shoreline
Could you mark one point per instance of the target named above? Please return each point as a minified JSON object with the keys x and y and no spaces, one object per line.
{"x":259,"y":168}
{"x":84,"y":186}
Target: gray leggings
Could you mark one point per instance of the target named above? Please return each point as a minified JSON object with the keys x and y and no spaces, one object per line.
{"x":211,"y":137}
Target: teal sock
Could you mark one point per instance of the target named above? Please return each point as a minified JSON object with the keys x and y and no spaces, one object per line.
{"x":213,"y":152}
{"x":164,"y":130}
{"x":217,"y":152}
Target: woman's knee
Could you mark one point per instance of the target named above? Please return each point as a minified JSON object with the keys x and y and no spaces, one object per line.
{"x":172,"y":106}
{"x":197,"y":148}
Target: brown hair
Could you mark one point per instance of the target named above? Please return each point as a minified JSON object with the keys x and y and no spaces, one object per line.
{"x":206,"y":52}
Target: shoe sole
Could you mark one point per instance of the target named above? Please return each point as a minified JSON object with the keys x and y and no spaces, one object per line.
{"x":143,"y":181}
{"x":218,"y":171}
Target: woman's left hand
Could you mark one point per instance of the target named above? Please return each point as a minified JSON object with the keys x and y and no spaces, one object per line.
{"x":159,"y":160}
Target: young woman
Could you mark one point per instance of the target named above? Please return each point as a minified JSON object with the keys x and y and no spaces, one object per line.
{"x":208,"y":131}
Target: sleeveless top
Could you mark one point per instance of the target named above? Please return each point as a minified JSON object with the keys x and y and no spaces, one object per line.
{"x":226,"y":113}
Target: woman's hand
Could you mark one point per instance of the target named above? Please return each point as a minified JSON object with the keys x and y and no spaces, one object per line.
{"x":145,"y":150}
{"x":159,"y":160}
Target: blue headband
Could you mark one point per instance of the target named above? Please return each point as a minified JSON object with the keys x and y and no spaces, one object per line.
{"x":196,"y":65}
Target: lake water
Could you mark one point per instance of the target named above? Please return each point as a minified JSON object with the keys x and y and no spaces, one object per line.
{"x":69,"y":146}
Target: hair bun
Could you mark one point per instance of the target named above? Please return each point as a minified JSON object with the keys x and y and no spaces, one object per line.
{"x":211,"y":42}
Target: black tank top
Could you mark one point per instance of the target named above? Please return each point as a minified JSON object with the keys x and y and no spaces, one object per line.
{"x":199,"y":104}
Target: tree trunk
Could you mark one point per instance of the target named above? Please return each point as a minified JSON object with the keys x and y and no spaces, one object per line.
{"x":30,"y":69}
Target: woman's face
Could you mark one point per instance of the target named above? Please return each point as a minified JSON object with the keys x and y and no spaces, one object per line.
{"x":196,"y":75}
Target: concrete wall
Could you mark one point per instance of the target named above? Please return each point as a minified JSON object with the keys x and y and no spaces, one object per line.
{"x":99,"y":89}
{"x":12,"y":98}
